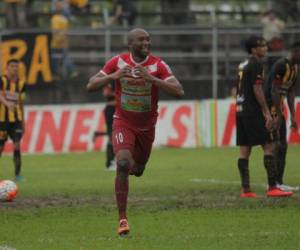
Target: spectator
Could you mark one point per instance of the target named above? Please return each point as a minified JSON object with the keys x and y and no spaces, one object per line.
{"x":124,"y":13}
{"x":109,"y":110}
{"x":272,"y":33}
{"x":15,"y":13}
{"x":78,"y":6}
{"x":272,"y":29}
{"x":66,"y":10}
{"x":60,"y":44}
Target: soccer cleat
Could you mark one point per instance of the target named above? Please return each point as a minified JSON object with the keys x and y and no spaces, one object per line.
{"x":19,"y":178}
{"x":248,"y":195}
{"x":287,"y":188}
{"x":276,"y":192}
{"x":112,"y":166}
{"x":123,"y":229}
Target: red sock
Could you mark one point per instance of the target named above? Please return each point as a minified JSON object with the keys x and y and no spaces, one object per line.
{"x":121,"y":190}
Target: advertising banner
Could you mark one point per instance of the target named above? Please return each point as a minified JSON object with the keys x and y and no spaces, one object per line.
{"x":182,"y":124}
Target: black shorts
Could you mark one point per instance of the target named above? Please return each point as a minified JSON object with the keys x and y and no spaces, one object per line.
{"x":109,"y":111}
{"x":251,"y":131}
{"x":12,"y":129}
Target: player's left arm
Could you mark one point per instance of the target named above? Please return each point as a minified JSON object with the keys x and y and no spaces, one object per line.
{"x":275,"y":92}
{"x":22,"y":97}
{"x":291,"y":105}
{"x":166,"y":80}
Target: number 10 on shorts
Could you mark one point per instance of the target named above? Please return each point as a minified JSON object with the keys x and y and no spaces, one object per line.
{"x":119,"y":138}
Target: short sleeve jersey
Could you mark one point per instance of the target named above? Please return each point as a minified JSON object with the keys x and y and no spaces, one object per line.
{"x":13,"y":92}
{"x":136,"y":99}
{"x":284,"y":75}
{"x":251,"y":73}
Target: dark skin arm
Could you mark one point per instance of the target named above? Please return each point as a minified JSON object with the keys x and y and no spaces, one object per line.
{"x":276,"y":101}
{"x":171,"y":86}
{"x":291,"y":104}
{"x":260,"y":97}
{"x":99,"y":80}
{"x":10,"y":105}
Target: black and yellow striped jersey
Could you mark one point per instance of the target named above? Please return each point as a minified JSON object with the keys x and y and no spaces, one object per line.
{"x":282,"y":74}
{"x":13,"y":91}
{"x":250,"y":73}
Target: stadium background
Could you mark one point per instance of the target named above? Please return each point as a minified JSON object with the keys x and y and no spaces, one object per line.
{"x":200,"y":40}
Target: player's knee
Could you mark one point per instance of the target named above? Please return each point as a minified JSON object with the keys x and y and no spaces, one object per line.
{"x":123,"y":165}
{"x":17,"y":146}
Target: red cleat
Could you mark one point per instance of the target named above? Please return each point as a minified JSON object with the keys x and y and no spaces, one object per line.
{"x":123,"y":227}
{"x":248,"y":195}
{"x":276,"y":192}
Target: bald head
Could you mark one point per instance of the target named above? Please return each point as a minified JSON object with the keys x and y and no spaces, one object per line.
{"x":134,"y":33}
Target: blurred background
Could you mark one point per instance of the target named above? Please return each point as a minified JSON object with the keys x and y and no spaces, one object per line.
{"x":63,"y":42}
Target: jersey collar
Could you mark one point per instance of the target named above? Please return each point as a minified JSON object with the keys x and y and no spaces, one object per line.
{"x":138,"y":63}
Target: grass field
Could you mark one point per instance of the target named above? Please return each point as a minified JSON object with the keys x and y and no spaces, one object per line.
{"x":187,"y":199}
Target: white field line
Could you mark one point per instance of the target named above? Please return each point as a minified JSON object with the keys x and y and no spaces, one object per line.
{"x":215,"y":181}
{"x":161,"y":237}
{"x":7,"y":248}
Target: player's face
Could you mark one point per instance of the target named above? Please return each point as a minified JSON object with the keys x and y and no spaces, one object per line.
{"x":140,"y":44}
{"x":261,"y":49}
{"x":13,"y":69}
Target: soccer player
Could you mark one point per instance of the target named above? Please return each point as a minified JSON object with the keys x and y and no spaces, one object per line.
{"x":280,"y":84}
{"x":109,"y":110}
{"x":253,"y":118}
{"x":12,"y":95}
{"x":138,"y":75}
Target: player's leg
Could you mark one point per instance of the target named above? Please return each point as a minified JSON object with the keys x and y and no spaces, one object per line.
{"x":16,"y":132}
{"x":109,"y":112}
{"x":142,"y":151}
{"x":243,"y":166}
{"x":3,"y":136}
{"x":123,"y":143}
{"x":242,"y":138}
{"x":281,"y":150}
{"x":269,"y":163}
{"x":124,"y":163}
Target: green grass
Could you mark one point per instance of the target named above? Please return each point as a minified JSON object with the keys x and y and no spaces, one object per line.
{"x":187,"y":199}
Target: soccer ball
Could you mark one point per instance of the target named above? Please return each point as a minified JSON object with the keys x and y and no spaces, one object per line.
{"x":8,"y":190}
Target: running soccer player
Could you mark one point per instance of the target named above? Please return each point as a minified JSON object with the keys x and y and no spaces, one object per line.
{"x":253,"y":118}
{"x":12,"y":95}
{"x":280,"y":84}
{"x":138,"y":75}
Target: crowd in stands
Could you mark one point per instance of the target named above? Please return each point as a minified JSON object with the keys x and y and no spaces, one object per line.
{"x":124,"y":13}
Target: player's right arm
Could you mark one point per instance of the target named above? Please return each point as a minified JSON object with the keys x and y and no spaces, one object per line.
{"x":107,"y":75}
{"x":259,"y":94}
{"x":279,"y":72}
{"x":3,"y":100}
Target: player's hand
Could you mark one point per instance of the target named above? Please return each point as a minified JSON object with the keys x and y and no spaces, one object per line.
{"x":125,"y":71}
{"x":269,"y":122}
{"x":294,"y":124}
{"x":277,"y":122}
{"x":10,"y":105}
{"x":139,"y":71}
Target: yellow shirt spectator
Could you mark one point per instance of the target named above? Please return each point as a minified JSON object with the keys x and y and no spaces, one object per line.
{"x":60,"y":26}
{"x":78,"y":3}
